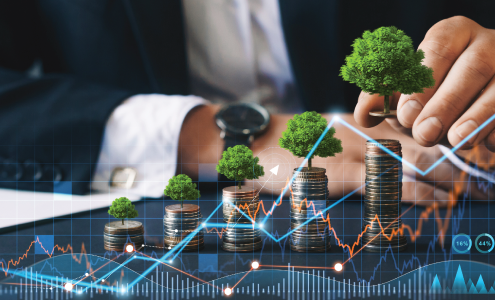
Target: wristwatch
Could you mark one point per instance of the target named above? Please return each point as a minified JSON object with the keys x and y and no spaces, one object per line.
{"x":240,"y":124}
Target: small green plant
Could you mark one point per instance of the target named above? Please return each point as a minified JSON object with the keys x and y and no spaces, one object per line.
{"x":238,"y":163}
{"x":122,"y":208}
{"x":384,"y":61}
{"x":180,"y":188}
{"x":302,"y":133}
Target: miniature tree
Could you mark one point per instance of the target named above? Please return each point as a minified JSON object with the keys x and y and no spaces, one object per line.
{"x":180,"y":188}
{"x":302,"y":133}
{"x":122,"y":208}
{"x":384,"y":61}
{"x":238,"y":163}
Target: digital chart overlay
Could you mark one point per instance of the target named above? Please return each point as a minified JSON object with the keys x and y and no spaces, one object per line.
{"x":284,"y":279}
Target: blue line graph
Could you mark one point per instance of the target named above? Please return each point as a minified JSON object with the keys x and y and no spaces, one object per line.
{"x":330,"y":124}
{"x":180,"y":246}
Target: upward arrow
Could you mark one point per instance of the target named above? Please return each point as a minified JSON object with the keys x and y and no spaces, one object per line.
{"x":274,"y":170}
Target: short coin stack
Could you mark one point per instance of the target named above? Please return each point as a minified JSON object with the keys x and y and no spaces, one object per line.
{"x":240,"y":235}
{"x":383,"y":198}
{"x":309,"y":196}
{"x":179,"y":222}
{"x":116,"y":235}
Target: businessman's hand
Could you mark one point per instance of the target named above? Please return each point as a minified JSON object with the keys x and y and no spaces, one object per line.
{"x":462,"y":55}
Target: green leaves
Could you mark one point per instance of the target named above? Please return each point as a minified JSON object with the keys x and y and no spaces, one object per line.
{"x":122,"y":208}
{"x":384,"y":61}
{"x":302,"y":133}
{"x":238,"y":163}
{"x":180,"y":188}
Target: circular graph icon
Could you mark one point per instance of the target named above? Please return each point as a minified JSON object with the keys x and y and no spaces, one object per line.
{"x":279,"y":165}
{"x":484,"y":243}
{"x":462,"y":243}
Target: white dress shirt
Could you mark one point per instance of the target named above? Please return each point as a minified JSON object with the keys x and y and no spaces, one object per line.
{"x":236,"y":52}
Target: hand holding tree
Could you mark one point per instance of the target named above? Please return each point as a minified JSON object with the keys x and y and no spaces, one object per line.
{"x":122,"y":208}
{"x":384,"y":61}
{"x":180,"y":188}
{"x":302,"y":133}
{"x":238,"y":163}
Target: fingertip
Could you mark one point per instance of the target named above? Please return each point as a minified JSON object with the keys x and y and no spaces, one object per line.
{"x":366,"y":104}
{"x":408,"y":110}
{"x":454,"y":140}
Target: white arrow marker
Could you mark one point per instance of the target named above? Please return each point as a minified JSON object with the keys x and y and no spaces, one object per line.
{"x":274,"y":170}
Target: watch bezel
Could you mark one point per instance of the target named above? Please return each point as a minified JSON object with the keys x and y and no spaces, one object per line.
{"x":222,"y":124}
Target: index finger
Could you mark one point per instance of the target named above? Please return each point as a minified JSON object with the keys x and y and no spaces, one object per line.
{"x":442,"y":45}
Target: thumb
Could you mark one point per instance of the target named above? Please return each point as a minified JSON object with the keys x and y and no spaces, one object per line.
{"x":372,"y":102}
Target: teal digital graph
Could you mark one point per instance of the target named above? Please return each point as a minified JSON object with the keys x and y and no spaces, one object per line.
{"x":476,"y":278}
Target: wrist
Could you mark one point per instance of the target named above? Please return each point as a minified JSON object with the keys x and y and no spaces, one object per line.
{"x":199,"y":141}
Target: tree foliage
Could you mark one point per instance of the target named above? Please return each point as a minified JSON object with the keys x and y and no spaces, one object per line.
{"x":302,"y":133}
{"x":122,"y":208}
{"x":238,"y":163}
{"x":384,"y":61}
{"x":180,"y":188}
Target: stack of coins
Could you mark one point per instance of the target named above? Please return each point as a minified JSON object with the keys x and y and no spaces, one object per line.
{"x":179,"y":222}
{"x":240,"y":235}
{"x":309,"y":196}
{"x":383,"y":198}
{"x":116,"y":235}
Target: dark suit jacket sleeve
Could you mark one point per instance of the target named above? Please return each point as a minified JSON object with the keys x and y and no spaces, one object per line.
{"x":51,"y":126}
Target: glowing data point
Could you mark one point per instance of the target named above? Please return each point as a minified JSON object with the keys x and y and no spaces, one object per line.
{"x":228,"y":291}
{"x":255,"y":265}
{"x":68,"y":286}
{"x":260,"y":225}
{"x":176,"y":230}
{"x":103,"y":280}
{"x":338,"y":267}
{"x":129,"y":248}
{"x":87,"y":274}
{"x":204,"y":224}
{"x":170,"y":261}
{"x":169,"y":247}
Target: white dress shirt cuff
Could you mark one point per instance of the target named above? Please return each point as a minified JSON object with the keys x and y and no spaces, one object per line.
{"x":143,"y":133}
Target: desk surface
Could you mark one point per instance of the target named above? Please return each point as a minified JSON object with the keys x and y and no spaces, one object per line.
{"x":85,"y":231}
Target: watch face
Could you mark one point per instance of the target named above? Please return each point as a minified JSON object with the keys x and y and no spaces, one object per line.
{"x":243,"y":118}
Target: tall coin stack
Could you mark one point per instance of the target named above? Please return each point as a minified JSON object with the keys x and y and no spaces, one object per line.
{"x":309,"y":196}
{"x":179,"y":222}
{"x":116,"y":235}
{"x":240,"y":235}
{"x":383,"y":198}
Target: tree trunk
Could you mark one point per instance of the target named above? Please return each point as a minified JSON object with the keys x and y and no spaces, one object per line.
{"x":386,"y":105}
{"x":239,"y":184}
{"x":309,"y":164}
{"x":122,"y":221}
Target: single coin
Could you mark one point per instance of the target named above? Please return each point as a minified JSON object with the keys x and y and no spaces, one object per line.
{"x":381,"y":114}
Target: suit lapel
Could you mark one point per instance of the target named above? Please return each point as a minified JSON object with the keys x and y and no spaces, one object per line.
{"x":159,"y":31}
